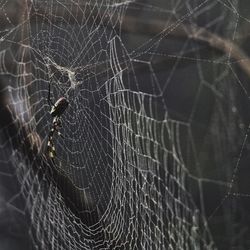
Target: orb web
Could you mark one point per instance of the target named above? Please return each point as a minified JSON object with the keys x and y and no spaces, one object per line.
{"x":154,"y":112}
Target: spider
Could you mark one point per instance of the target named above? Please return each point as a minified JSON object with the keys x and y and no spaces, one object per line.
{"x":56,"y":111}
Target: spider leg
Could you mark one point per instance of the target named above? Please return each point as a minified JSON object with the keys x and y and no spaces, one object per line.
{"x":49,"y":98}
{"x":50,"y":145}
{"x":51,"y":148}
{"x":54,"y":130}
{"x":60,"y":134}
{"x":58,"y":126}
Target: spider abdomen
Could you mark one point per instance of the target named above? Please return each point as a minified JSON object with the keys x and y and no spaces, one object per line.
{"x":59,"y":107}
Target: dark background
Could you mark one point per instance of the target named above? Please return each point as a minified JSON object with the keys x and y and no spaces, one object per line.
{"x":198,"y":83}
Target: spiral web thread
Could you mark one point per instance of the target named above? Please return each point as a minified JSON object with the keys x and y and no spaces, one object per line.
{"x":133,"y":160}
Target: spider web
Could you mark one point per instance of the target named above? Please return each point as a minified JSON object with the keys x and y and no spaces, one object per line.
{"x":154,"y":141}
